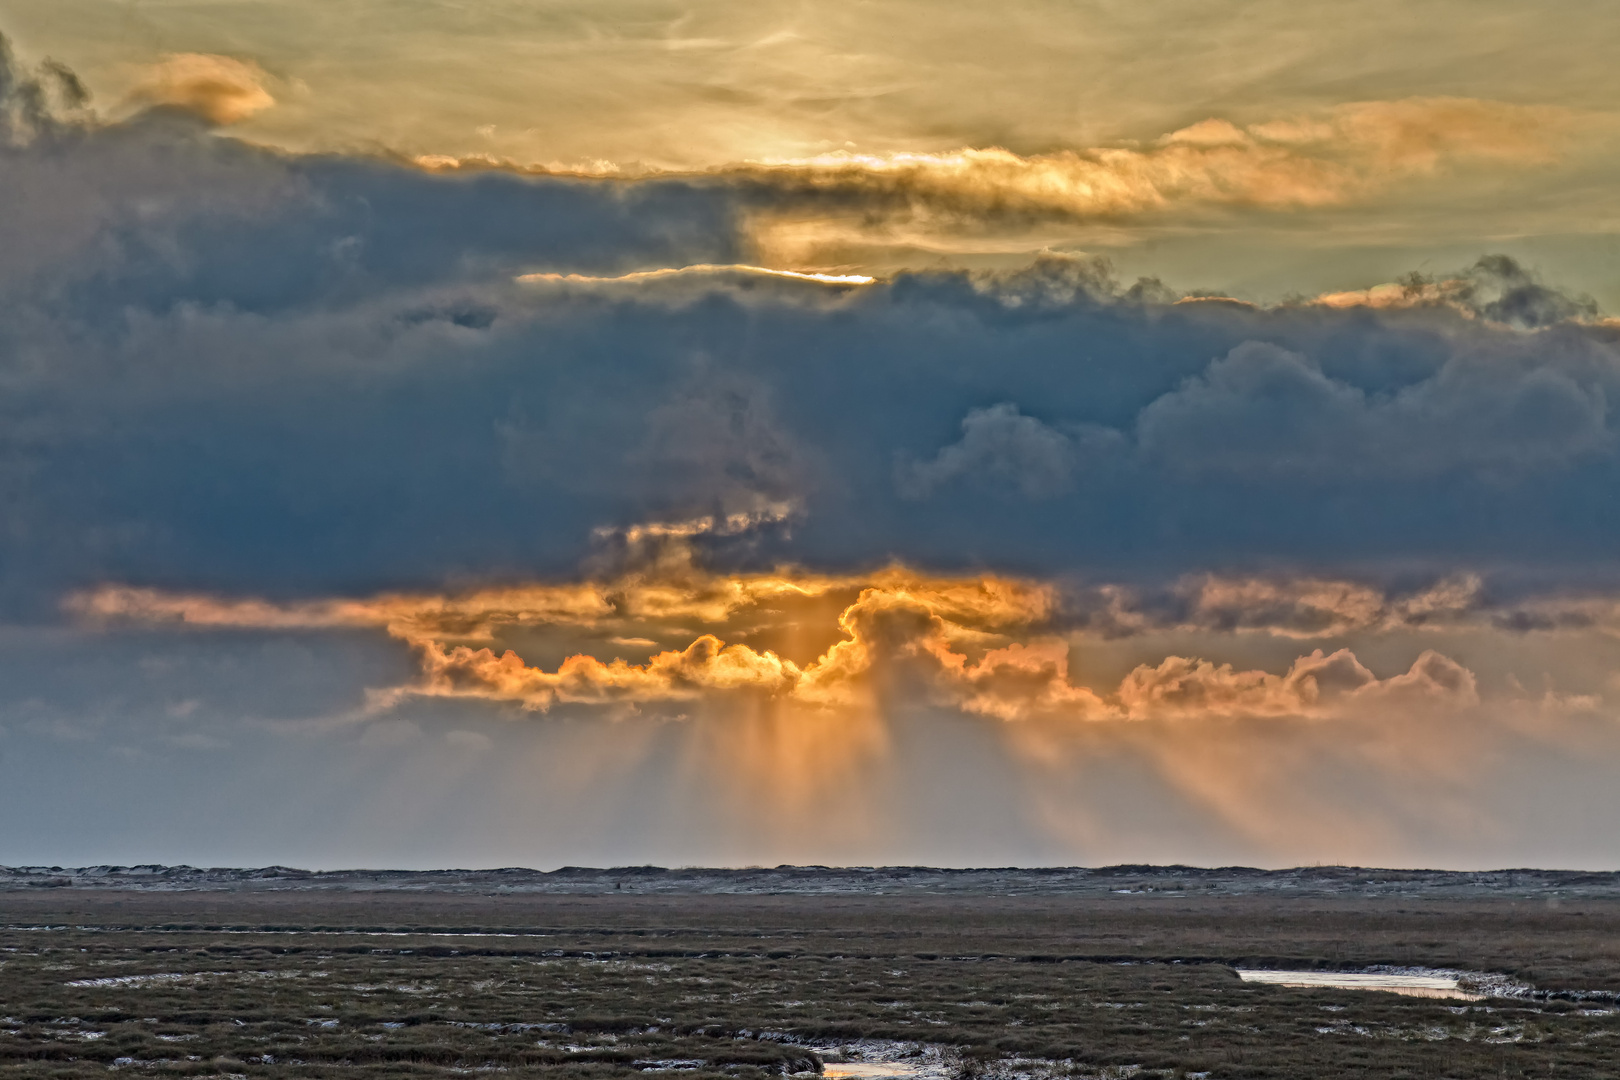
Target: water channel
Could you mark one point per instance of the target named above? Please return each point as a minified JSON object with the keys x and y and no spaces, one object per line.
{"x":1429,"y":986}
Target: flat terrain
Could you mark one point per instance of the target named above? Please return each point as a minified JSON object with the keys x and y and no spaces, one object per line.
{"x":401,"y":975}
{"x":1069,"y":881}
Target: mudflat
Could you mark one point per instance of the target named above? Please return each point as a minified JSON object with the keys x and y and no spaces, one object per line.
{"x":408,"y":976}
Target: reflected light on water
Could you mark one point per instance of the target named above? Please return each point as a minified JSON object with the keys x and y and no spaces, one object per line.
{"x":1429,"y":986}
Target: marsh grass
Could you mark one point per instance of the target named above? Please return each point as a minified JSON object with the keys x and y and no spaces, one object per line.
{"x":319,"y":986}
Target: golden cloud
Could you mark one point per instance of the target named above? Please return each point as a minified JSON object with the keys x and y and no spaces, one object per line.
{"x":221,"y":89}
{"x":987,"y":645}
{"x":808,"y":210}
{"x":1345,"y":154}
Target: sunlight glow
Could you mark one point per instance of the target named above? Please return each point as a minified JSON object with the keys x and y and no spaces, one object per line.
{"x":701,"y":268}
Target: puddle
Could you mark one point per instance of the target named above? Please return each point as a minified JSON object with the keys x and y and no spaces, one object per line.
{"x":881,"y":1059}
{"x":1428,"y":986}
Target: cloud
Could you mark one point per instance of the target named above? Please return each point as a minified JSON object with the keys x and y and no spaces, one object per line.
{"x":1343,"y":155}
{"x":1346,"y":152}
{"x":1262,"y":409}
{"x":1302,"y":607}
{"x":220,"y":89}
{"x":643,"y":277}
{"x":1494,"y":288}
{"x":156,"y":210}
{"x":235,"y":372}
{"x":705,"y":665}
{"x":1001,"y":447}
{"x":829,"y":209}
{"x":986,"y":646}
{"x":895,"y":615}
{"x":1188,"y":437}
{"x":714,"y":536}
{"x":1316,"y":685}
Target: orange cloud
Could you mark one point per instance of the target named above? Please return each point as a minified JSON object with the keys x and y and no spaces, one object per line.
{"x":899,"y":624}
{"x":1322,"y":160}
{"x":705,"y":665}
{"x":988,"y":198}
{"x":983,"y":645}
{"x":1342,"y":155}
{"x":221,"y":89}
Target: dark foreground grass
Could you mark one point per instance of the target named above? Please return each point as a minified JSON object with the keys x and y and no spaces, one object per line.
{"x":311,"y":985}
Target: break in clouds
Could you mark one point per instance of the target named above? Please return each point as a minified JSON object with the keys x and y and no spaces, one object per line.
{"x":304,"y":452}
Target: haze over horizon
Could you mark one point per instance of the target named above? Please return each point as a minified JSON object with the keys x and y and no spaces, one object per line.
{"x":703,"y":433}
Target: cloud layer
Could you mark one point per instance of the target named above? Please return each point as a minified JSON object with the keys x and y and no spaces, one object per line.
{"x":991,"y":646}
{"x":478,"y":458}
{"x":220,"y":89}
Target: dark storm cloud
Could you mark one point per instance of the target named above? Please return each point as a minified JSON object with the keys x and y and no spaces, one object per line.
{"x":227,"y":368}
{"x":1263,"y":411}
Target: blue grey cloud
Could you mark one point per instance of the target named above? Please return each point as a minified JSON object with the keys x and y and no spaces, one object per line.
{"x":1265,"y":411}
{"x":227,"y":368}
{"x":1003,"y":450}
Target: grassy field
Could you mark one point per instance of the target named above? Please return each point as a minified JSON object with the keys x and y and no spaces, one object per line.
{"x":320,"y":985}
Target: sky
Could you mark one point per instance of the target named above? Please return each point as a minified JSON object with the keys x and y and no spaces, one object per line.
{"x":562,"y":433}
